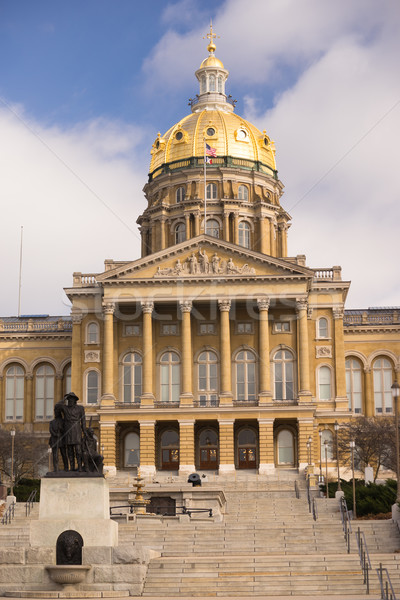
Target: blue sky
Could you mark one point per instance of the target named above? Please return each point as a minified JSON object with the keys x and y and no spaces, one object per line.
{"x":86,"y":86}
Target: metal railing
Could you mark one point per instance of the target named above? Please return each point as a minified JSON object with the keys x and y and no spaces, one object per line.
{"x":312,"y":506}
{"x":314,"y":510}
{"x":296,"y":490}
{"x":344,"y":514}
{"x":9,"y":514}
{"x":184,"y":511}
{"x":30,"y":502}
{"x":387,"y":591}
{"x":364,"y":556}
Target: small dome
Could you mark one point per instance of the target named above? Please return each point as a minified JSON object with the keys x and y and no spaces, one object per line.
{"x":212,"y":61}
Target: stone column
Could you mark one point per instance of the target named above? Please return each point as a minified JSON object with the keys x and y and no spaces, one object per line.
{"x":341,"y":401}
{"x":147,"y":398}
{"x":265,"y":394}
{"x":272,"y":238}
{"x":266,"y":445}
{"x":108,"y":398}
{"x":282,"y":233}
{"x":29,"y":412}
{"x":236,"y":228}
{"x":196,"y":224}
{"x":162,"y":233}
{"x":76,"y":363}
{"x":186,"y":396}
{"x":303,"y":351}
{"x":58,"y":391}
{"x":108,"y":440}
{"x":225,"y":396}
{"x":187,"y":225}
{"x":147,"y":448}
{"x":369,"y":406}
{"x":265,"y":235}
{"x":186,"y":448}
{"x":226,"y":447}
{"x":226,"y":227}
{"x":306,"y":430}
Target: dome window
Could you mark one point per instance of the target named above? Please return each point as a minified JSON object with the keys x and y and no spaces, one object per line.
{"x":244,"y":234}
{"x":180,"y":194}
{"x":241,"y":134}
{"x":212,"y":228}
{"x":210,"y":131}
{"x":211,"y":191}
{"x":211,"y":83}
{"x":266,"y":141}
{"x":180,"y":233}
{"x":243,"y":193}
{"x":220,"y":84}
{"x":157,"y":144}
{"x":178,"y":135}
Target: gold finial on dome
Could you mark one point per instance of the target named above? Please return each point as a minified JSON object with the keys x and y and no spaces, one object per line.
{"x":211,"y":46}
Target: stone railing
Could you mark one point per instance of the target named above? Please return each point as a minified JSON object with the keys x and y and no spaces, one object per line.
{"x":330,"y":274}
{"x":84,"y":279}
{"x":35,"y":325}
{"x":372,"y":316}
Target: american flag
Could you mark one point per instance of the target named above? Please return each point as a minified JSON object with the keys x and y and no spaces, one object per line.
{"x":211,"y":151}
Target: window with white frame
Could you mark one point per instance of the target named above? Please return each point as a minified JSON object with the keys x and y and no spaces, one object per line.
{"x":324,"y":383}
{"x":211,"y":191}
{"x":212,"y":228}
{"x":180,"y":233}
{"x":132,"y":377}
{"x":211,"y":83}
{"x":281,"y":327}
{"x":283,"y":368}
{"x":203,"y":85}
{"x":170,"y":376}
{"x":243,"y":192}
{"x":132,"y":450}
{"x":180,"y":194}
{"x":92,"y":333}
{"x":44,"y":392}
{"x":326,"y":445}
{"x":244,"y":327}
{"x":15,"y":380}
{"x":92,"y":387}
{"x":169,"y":329}
{"x":207,"y":328}
{"x":208,"y":378}
{"x":382,"y":373}
{"x":245,"y":366}
{"x":220,"y":84}
{"x":354,"y":385}
{"x":132,"y":330}
{"x":322,"y":328}
{"x":244,"y":234}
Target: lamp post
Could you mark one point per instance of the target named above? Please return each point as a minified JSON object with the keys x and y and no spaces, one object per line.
{"x":320,"y":454}
{"x":395,"y":394}
{"x":326,"y":467}
{"x":339,"y":487}
{"x":308,"y":453}
{"x":12,"y":461}
{"x":310,"y":448}
{"x":352,"y":446}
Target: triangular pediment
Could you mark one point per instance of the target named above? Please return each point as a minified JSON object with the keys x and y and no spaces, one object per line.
{"x":204,"y":257}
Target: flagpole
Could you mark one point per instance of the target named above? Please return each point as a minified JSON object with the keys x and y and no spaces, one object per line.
{"x":205,"y":188}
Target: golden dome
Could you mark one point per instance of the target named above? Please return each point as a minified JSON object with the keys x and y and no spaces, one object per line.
{"x":212,"y":61}
{"x":228,"y":133}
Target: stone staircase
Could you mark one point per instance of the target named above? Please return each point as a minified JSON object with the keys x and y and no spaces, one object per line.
{"x":16,"y":533}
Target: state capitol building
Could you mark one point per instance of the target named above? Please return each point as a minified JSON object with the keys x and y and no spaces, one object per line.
{"x":215,"y":350}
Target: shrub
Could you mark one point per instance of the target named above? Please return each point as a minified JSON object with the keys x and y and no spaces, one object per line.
{"x":25,"y":487}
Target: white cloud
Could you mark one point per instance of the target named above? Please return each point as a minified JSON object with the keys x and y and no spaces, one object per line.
{"x":77,"y":192}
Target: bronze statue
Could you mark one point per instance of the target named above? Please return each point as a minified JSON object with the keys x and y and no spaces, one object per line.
{"x":57,"y":438}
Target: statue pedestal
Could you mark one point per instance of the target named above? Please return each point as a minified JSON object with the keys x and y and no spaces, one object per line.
{"x":81,"y":504}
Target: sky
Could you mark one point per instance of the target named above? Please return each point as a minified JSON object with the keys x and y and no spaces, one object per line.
{"x":86,"y":86}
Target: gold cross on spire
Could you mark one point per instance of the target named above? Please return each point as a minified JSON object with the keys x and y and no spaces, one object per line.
{"x":211,"y":36}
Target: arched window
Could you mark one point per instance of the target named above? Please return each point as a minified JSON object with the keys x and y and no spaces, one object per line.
{"x":382,"y":371}
{"x":208,"y":446}
{"x":208,"y":378}
{"x":180,"y":194}
{"x":170,"y":377}
{"x":243,"y":192}
{"x":245,"y":364}
{"x":15,"y":379}
{"x":67,"y":380}
{"x":211,"y":83}
{"x":92,"y":387}
{"x":220,"y":84}
{"x":170,"y":450}
{"x":44,"y":392}
{"x":92,"y":333}
{"x":324,"y":383}
{"x":326,"y":445}
{"x":211,"y":191}
{"x":285,"y":447}
{"x":283,"y":364}
{"x":247,"y":448}
{"x":203,"y":84}
{"x":132,"y":377}
{"x":244,"y":234}
{"x":212,"y":228}
{"x":322,"y":325}
{"x":354,"y":385}
{"x":180,"y":233}
{"x":131,"y":450}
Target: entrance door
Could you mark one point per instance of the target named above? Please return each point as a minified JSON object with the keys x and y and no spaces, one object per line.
{"x":170,"y":450}
{"x":247,"y":449}
{"x":285,"y":444}
{"x":208,"y":444}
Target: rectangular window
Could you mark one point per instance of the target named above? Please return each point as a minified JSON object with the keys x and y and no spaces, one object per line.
{"x":169,"y":329}
{"x":282,"y":327}
{"x":207,"y":329}
{"x":244,"y":328}
{"x":131,"y":330}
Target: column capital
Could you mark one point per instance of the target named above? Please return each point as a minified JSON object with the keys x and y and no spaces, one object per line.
{"x":147,"y":307}
{"x":263,"y":303}
{"x":224,"y":305}
{"x":338,"y":312}
{"x":108,"y":308}
{"x":76,"y":318}
{"x":186,"y":306}
{"x":301,"y":304}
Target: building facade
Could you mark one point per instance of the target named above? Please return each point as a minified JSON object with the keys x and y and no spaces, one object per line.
{"x":214,"y":350}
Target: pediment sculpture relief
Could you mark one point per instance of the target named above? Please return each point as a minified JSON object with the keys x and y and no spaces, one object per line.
{"x":201,"y":264}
